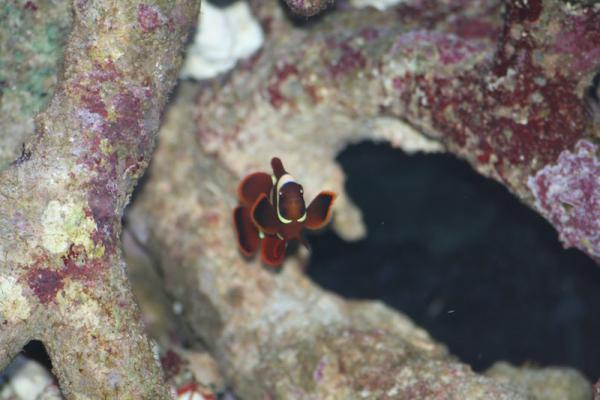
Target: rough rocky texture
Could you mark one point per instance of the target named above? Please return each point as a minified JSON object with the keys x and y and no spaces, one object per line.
{"x":61,"y":272}
{"x":192,"y":375}
{"x":567,"y":194}
{"x":32,"y":35}
{"x":308,"y":7}
{"x":276,"y":335}
{"x":544,"y":384}
{"x":507,"y":86}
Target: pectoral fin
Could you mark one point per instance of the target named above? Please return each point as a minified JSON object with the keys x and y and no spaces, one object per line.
{"x":319,"y":210}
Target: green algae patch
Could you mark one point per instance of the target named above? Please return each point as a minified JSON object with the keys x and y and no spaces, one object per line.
{"x":67,"y":224}
{"x":32,"y":39}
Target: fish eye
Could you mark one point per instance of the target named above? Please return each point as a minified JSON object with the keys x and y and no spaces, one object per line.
{"x":301,"y":190}
{"x":280,"y":193}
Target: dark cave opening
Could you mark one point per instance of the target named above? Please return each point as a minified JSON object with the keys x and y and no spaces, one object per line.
{"x":35,"y":350}
{"x":480,"y":271}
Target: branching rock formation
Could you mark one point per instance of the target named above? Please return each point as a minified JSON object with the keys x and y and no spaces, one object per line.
{"x":62,"y":277}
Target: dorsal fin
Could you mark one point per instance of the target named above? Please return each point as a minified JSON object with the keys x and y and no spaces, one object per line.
{"x":277,"y":166}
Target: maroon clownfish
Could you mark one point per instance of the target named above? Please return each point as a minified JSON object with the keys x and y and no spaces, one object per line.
{"x":272,"y":209}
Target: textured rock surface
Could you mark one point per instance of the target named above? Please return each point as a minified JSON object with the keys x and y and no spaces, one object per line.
{"x":276,"y":335}
{"x":503,"y":86}
{"x":308,"y":7}
{"x":567,"y":194}
{"x":544,"y":384}
{"x":32,"y":35}
{"x":62,"y":276}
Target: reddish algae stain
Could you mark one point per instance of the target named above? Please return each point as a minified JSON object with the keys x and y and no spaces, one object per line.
{"x":149,"y":18}
{"x":524,"y":10}
{"x":94,"y":104}
{"x":79,"y":266}
{"x":31,"y":6}
{"x":579,"y":37}
{"x":171,"y":363}
{"x":128,"y":110}
{"x":349,"y":60}
{"x":90,"y":87}
{"x":567,"y":193}
{"x":542,"y":114}
{"x":45,"y":283}
{"x":282,"y":73}
{"x":369,"y":34}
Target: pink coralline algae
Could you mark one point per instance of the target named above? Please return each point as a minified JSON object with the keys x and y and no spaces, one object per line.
{"x":350,"y":59}
{"x":527,"y":10}
{"x":511,"y":112}
{"x":579,"y":38}
{"x":308,"y":7}
{"x":450,"y":49}
{"x":282,"y":72}
{"x":30,"y":5}
{"x":568,"y":194}
{"x":149,"y":18}
{"x":45,"y":283}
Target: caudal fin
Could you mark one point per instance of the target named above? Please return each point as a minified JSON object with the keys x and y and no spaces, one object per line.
{"x":273,"y":251}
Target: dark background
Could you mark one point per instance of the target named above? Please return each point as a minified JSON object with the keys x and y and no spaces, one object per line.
{"x":480,"y":271}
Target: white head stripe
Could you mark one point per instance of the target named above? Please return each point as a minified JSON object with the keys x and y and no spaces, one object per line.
{"x":287,"y":178}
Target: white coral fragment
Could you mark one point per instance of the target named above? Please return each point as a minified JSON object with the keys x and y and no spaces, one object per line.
{"x":28,"y":380}
{"x":224,"y":36}
{"x":378,"y":4}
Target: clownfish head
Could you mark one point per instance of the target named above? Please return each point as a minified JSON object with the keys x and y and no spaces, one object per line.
{"x":290,"y":200}
{"x":287,"y":196}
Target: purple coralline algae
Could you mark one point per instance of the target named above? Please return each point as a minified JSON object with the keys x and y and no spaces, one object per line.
{"x":567,"y":193}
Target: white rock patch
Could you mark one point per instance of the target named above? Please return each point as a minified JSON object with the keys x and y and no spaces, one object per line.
{"x":378,"y":4}
{"x":224,"y":36}
{"x":28,"y":380}
{"x":14,"y":306}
